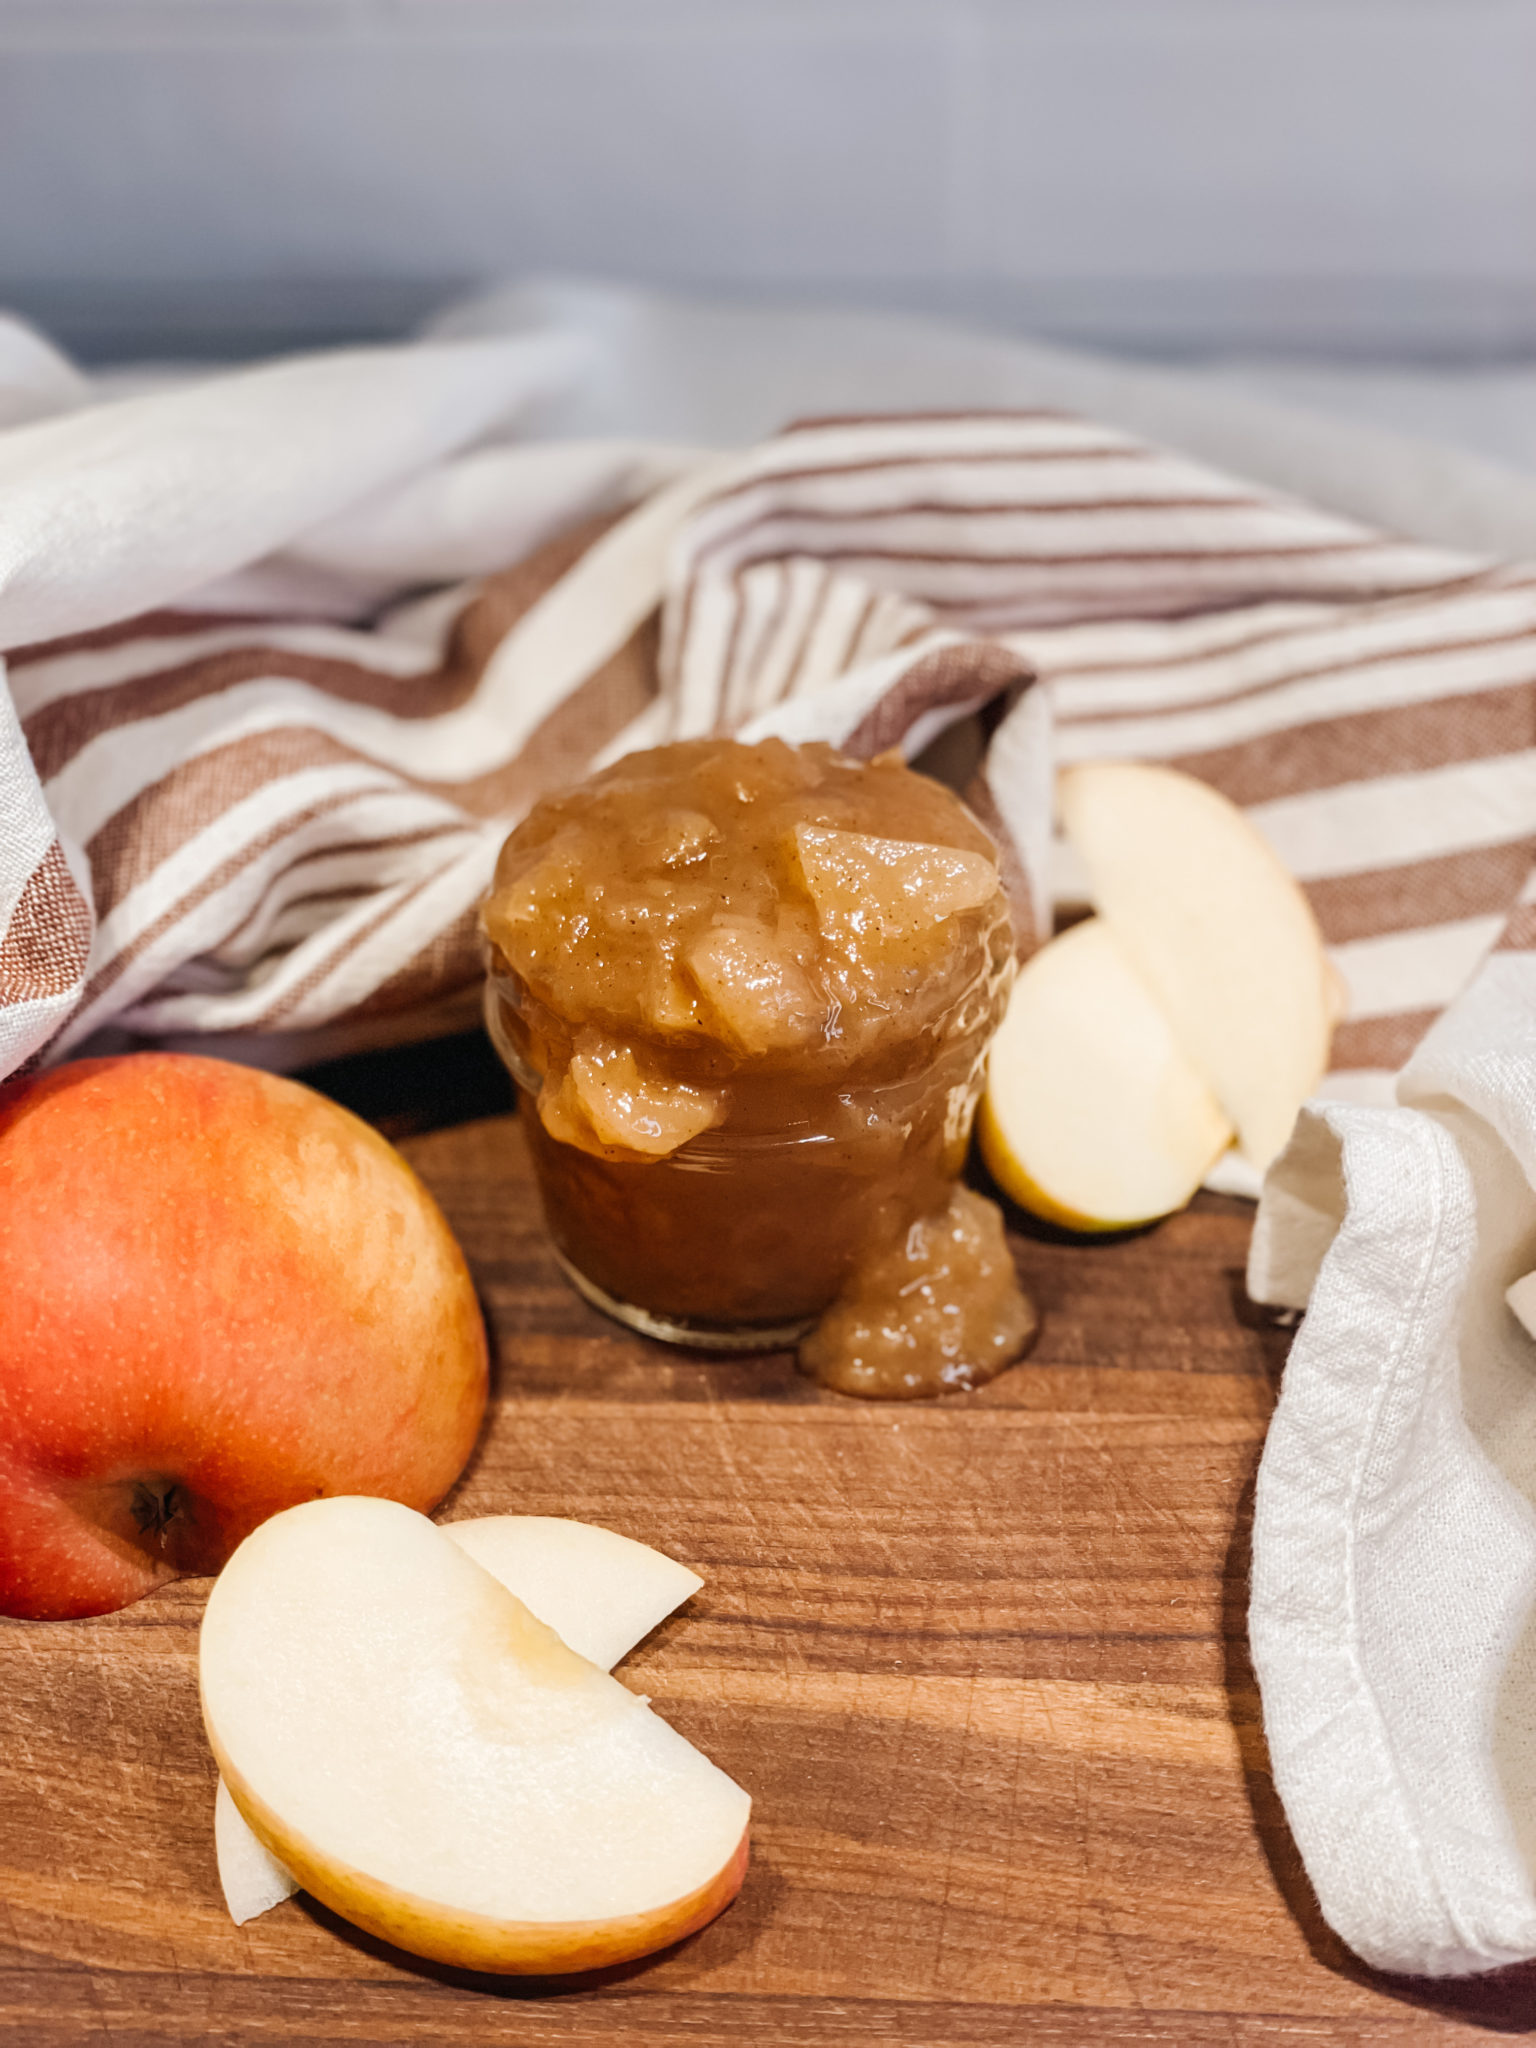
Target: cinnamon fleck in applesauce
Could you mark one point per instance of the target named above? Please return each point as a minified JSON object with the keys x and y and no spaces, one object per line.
{"x":751,"y":989}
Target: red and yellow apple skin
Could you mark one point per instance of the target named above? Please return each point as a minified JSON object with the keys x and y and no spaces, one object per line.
{"x":220,"y":1295}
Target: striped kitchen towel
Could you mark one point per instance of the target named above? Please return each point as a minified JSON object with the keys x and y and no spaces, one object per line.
{"x":253,"y":792}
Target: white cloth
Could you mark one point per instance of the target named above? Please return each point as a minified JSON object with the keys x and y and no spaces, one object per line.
{"x":1395,"y":1537}
{"x":726,"y":375}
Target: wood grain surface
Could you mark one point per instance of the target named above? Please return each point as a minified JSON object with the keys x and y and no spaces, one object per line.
{"x":981,"y":1663}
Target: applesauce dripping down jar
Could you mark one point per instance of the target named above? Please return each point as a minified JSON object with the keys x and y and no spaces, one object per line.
{"x":747,"y":992}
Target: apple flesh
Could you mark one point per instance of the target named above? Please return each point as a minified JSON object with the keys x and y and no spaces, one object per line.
{"x":1092,"y":1117}
{"x":1217,"y":929}
{"x":220,"y":1294}
{"x":433,"y":1763}
{"x":894,"y":886}
{"x":250,"y":1876}
{"x":600,"y":1592}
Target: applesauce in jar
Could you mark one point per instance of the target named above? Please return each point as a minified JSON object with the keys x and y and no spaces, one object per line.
{"x":749,"y":991}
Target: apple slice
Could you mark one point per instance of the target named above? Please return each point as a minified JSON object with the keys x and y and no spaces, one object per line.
{"x":433,"y":1763}
{"x":252,"y":1878}
{"x":1092,"y":1117}
{"x":602,"y":1593}
{"x":1217,"y":929}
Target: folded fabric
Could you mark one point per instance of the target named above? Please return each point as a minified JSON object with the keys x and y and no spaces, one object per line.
{"x":282,"y":826}
{"x":288,"y":650}
{"x":1393,"y":1625}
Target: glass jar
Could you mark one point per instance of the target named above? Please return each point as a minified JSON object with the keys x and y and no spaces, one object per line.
{"x":747,"y":993}
{"x":740,"y":1238}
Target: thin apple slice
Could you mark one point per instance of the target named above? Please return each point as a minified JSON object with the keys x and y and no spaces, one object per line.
{"x":1092,"y":1117}
{"x":433,"y":1763}
{"x":1216,"y":928}
{"x":253,"y":1880}
{"x":600,"y":1592}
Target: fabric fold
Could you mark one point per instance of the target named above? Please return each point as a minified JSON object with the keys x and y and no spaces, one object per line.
{"x":1394,"y":1579}
{"x":287,"y":782}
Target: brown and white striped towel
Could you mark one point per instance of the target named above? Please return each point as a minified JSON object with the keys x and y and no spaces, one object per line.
{"x":269,"y":834}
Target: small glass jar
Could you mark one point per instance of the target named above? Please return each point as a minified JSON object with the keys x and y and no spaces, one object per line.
{"x":742,"y":1237}
{"x":747,"y":994}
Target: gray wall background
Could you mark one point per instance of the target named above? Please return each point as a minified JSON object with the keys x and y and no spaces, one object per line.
{"x":1342,"y":177}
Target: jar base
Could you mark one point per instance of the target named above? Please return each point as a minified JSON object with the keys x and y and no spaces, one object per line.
{"x":696,"y":1336}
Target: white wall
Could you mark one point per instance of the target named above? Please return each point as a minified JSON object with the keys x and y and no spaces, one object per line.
{"x":1348,"y":175}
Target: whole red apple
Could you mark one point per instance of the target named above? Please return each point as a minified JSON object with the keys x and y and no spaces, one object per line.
{"x":220,"y":1295}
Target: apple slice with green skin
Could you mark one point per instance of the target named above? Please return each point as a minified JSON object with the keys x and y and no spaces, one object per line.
{"x":1217,"y":929}
{"x":602,"y":1593}
{"x":433,"y":1763}
{"x":1092,"y":1116}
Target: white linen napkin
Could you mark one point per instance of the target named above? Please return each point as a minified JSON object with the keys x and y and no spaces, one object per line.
{"x":1395,"y":1533}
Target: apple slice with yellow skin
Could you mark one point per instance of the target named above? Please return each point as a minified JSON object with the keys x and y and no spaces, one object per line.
{"x":602,"y":1593}
{"x":1217,"y":929}
{"x":1092,"y":1117}
{"x":433,"y":1763}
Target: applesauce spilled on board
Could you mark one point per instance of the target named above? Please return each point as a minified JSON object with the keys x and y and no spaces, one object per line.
{"x":750,"y":990}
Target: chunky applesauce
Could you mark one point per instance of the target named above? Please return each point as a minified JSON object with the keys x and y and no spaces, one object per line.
{"x":750,"y":989}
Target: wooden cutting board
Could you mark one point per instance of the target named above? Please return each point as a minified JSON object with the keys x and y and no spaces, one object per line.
{"x":981,"y":1663}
